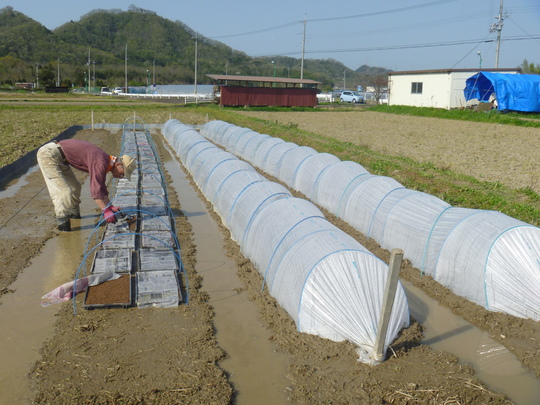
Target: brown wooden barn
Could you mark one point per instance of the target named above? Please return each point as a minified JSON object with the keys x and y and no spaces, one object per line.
{"x":235,"y":90}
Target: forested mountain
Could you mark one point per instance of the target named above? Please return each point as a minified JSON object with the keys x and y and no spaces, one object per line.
{"x":101,"y":39}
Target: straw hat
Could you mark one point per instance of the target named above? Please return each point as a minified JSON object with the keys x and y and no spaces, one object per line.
{"x":130,"y":164}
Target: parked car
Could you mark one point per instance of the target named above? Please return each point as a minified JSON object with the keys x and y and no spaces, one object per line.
{"x":117,"y":90}
{"x":106,"y":91}
{"x":351,"y":97}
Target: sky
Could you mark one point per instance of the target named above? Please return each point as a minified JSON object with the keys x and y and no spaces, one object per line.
{"x":400,"y":35}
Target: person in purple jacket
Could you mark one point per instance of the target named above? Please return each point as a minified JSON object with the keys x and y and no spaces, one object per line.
{"x":56,"y":159}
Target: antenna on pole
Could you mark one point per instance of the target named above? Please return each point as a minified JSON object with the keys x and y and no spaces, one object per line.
{"x":498,"y":27}
{"x":303,"y":48}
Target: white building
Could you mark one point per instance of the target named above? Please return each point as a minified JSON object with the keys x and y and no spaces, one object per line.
{"x":441,"y":88}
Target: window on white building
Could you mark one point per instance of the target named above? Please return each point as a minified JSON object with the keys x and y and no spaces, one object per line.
{"x":416,"y":87}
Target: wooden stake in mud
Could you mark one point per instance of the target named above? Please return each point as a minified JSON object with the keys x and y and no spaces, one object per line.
{"x":388,"y":302}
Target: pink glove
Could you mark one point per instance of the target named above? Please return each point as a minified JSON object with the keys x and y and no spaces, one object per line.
{"x":108,"y":213}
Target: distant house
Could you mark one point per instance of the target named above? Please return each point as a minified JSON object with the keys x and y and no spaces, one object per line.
{"x":235,"y":90}
{"x":24,"y":85}
{"x":442,"y":88}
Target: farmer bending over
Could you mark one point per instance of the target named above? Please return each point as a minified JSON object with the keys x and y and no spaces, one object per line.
{"x":55,"y":160}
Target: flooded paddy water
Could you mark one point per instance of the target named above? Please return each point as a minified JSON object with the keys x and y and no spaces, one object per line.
{"x":25,"y":323}
{"x":255,"y":367}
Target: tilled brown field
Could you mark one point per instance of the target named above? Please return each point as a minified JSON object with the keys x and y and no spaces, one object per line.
{"x":490,"y":152}
{"x":184,"y":367}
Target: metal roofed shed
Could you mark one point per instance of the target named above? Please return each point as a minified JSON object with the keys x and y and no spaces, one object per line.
{"x":262,"y":91}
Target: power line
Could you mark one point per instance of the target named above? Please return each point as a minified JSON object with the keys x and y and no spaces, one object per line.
{"x":277,"y":27}
{"x":450,"y":20}
{"x":411,"y":46}
{"x":468,"y":53}
{"x":289,"y":24}
{"x":396,"y":10}
{"x":516,"y":24}
{"x":435,"y":23}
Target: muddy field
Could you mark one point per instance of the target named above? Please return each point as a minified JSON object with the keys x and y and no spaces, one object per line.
{"x":172,"y":356}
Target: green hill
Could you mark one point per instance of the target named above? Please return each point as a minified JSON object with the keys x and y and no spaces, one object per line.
{"x":100,"y":40}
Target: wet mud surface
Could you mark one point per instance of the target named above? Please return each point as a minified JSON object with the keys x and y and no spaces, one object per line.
{"x":170,"y":356}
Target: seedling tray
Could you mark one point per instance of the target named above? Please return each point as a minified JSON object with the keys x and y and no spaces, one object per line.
{"x":110,"y":294}
{"x":152,"y":259}
{"x":112,"y":260}
{"x":158,"y":289}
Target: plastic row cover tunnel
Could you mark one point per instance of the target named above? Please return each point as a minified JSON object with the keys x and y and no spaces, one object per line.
{"x":484,"y":256}
{"x":329,"y":284}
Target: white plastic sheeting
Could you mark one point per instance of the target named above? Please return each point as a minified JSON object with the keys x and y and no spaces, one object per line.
{"x":391,"y":222}
{"x":259,"y":158}
{"x":243,"y":210}
{"x":502,"y":275}
{"x":216,"y":184}
{"x":334,"y":181}
{"x":330,"y":284}
{"x":484,"y":256}
{"x":274,"y":157}
{"x":309,"y":170}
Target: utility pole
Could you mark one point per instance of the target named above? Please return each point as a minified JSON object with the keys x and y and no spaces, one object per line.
{"x":303,"y":48}
{"x":196,"y":52}
{"x":498,"y":27}
{"x":89,"y":71}
{"x":58,"y":74}
{"x":125,"y":74}
{"x":154,"y":73}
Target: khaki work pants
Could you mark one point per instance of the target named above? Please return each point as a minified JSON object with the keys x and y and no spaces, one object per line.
{"x":64,"y":188}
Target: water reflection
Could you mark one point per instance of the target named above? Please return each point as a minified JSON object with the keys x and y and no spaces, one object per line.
{"x":11,"y":189}
{"x":494,"y":364}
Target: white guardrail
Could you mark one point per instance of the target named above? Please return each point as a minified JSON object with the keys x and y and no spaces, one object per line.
{"x":189,"y":98}
{"x":327,"y":97}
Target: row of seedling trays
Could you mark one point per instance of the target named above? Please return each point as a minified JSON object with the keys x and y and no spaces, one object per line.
{"x":141,"y":247}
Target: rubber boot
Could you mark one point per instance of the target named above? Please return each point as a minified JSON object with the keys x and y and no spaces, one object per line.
{"x":63,"y":224}
{"x":76,"y":213}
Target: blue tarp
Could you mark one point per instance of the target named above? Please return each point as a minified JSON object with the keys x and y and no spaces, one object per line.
{"x":514,"y":92}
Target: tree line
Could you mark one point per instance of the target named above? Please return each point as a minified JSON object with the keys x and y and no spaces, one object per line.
{"x":93,"y":52}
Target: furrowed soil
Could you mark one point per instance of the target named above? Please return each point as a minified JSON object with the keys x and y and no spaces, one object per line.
{"x":171,"y":356}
